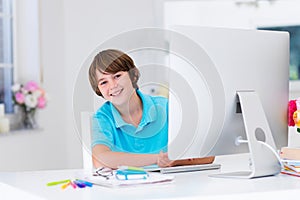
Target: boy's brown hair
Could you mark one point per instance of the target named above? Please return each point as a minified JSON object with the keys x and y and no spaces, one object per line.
{"x":112,"y":61}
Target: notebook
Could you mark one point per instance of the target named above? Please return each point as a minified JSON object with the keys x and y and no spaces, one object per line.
{"x":112,"y":181}
{"x":184,"y":168}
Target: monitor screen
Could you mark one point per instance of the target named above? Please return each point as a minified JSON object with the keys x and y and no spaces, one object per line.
{"x":207,"y":71}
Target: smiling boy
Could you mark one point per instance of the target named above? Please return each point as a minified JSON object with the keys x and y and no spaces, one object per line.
{"x":130,"y":128}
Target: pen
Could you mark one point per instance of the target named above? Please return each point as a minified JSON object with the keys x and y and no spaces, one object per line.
{"x":57,"y":182}
{"x":85,"y":182}
{"x":79,"y":184}
{"x":131,"y":168}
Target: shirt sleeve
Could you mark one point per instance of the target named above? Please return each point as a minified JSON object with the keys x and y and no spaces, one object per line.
{"x":102,"y":132}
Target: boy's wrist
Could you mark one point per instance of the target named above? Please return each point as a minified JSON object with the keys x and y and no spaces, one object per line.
{"x":156,"y":157}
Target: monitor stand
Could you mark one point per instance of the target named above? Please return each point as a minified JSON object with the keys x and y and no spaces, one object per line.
{"x":264,"y":159}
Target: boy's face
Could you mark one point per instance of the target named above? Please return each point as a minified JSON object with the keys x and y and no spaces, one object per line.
{"x":116,"y":88}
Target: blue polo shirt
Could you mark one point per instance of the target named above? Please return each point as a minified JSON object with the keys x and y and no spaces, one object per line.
{"x":151,"y":136}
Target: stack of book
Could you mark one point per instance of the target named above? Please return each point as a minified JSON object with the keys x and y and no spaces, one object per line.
{"x":291,"y":161}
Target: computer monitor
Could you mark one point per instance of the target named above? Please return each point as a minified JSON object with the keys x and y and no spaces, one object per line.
{"x":227,"y":87}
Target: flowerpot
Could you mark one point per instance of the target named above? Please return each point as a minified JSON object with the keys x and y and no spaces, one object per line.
{"x":294,"y":137}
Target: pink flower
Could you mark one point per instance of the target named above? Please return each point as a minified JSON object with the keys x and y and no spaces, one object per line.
{"x":292,"y":108}
{"x":41,"y":102}
{"x":31,"y":86}
{"x":20,"y":98}
{"x":29,"y":96}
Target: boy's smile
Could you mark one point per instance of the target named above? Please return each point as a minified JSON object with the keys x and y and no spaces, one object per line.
{"x":116,"y":88}
{"x":116,"y":92}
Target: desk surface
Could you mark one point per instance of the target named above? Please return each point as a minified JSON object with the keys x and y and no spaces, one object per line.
{"x":190,"y":185}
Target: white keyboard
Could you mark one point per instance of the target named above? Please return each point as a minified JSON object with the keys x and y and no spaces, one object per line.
{"x":185,"y":168}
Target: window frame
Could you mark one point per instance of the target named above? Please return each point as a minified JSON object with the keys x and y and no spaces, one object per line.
{"x":7,"y":15}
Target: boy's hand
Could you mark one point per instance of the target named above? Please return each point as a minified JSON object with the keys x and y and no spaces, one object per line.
{"x":164,"y":161}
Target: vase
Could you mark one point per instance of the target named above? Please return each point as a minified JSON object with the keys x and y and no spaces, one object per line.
{"x":28,"y":120}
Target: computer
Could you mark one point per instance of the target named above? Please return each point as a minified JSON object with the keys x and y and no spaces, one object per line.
{"x":228,"y":93}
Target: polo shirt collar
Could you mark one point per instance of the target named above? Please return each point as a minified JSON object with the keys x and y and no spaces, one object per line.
{"x":149,"y":112}
{"x":149,"y":109}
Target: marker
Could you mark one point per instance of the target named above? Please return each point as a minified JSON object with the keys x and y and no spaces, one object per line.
{"x":79,"y":184}
{"x":64,"y":186}
{"x":73,"y":184}
{"x":57,"y":182}
{"x":131,"y":168}
{"x":89,"y":184}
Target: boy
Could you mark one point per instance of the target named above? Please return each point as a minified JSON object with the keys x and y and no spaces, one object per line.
{"x":131,"y":128}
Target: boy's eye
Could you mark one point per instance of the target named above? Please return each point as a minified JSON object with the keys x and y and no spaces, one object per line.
{"x":103,"y":83}
{"x":118,"y":75}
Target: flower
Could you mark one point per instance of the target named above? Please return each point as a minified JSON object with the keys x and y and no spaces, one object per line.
{"x":294,"y":113}
{"x":31,"y":86}
{"x":29,"y":96}
{"x":20,"y":97}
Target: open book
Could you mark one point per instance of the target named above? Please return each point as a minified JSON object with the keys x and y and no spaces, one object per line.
{"x":112,"y":181}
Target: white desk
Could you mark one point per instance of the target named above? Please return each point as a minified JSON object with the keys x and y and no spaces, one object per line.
{"x":191,"y":185}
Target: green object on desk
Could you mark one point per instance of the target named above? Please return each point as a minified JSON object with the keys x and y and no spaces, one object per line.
{"x":58,"y":182}
{"x":131,"y":168}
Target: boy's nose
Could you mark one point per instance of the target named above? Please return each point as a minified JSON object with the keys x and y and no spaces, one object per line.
{"x":113,"y":84}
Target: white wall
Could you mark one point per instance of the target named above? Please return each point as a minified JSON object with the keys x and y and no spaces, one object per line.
{"x":229,"y":13}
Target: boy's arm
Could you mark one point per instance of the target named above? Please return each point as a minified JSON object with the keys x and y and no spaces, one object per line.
{"x":104,"y":157}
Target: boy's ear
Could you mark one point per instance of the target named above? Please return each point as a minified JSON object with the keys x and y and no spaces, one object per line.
{"x":134,"y":75}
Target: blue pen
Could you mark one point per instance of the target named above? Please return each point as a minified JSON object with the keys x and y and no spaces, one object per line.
{"x":89,"y":184}
{"x":79,"y":184}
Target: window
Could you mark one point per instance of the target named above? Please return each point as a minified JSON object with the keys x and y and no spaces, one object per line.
{"x":6,"y":54}
{"x":294,"y":48}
